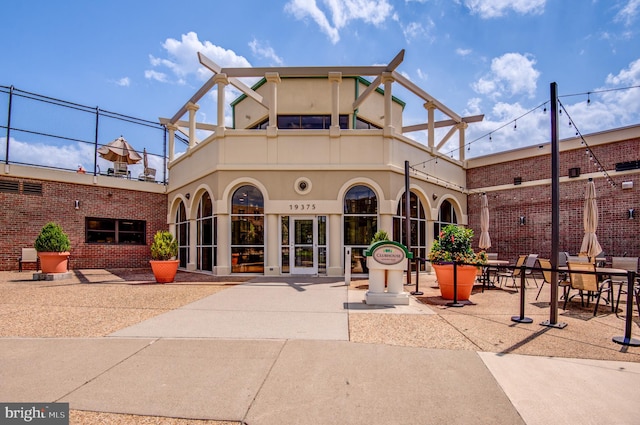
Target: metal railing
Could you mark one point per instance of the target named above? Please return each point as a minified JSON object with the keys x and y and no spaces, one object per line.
{"x":43,"y":131}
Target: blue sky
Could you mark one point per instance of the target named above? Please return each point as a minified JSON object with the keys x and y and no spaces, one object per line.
{"x":496,"y":57}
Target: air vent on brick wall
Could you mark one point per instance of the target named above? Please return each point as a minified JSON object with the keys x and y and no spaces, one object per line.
{"x":9,"y":186}
{"x":517,"y":180}
{"x":32,"y":188}
{"x":630,"y":165}
{"x":574,"y":172}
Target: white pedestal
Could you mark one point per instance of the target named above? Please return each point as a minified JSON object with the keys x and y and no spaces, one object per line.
{"x":389,"y":274}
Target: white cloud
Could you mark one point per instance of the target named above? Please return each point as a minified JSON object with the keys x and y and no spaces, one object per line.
{"x":629,"y":12}
{"x":511,"y":74}
{"x":463,"y":52}
{"x":415,"y":30}
{"x":340,"y":13}
{"x":182,"y":59}
{"x":264,"y":51}
{"x":155,"y":75}
{"x":123,"y":82}
{"x":497,"y":8}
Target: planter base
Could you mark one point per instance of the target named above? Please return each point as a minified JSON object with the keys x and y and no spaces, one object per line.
{"x":52,"y":276}
{"x":386,"y":298}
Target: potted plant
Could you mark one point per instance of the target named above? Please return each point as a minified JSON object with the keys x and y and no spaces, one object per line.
{"x":164,"y":250}
{"x":453,"y":245}
{"x":53,"y":246}
{"x":380,"y":235}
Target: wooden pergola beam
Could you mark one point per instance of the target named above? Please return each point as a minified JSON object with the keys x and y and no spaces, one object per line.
{"x":397,"y":60}
{"x":440,"y":124}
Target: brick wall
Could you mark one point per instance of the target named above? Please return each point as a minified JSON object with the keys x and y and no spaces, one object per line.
{"x":616,"y":233}
{"x":21,"y":222}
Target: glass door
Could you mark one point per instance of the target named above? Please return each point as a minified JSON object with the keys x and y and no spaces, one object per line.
{"x":303,"y":241}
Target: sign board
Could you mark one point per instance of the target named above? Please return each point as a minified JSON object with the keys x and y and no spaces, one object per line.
{"x":388,"y":254}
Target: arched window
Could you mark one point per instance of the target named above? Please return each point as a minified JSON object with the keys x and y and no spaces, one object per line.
{"x":360,"y":224}
{"x":418,"y":224}
{"x":446,"y":215}
{"x":247,"y":230}
{"x":206,"y":244}
{"x":182,"y":235}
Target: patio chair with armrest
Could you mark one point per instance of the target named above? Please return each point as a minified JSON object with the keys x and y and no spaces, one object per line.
{"x":585,"y":282}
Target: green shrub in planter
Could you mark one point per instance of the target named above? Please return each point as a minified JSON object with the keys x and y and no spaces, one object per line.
{"x":164,"y":246}
{"x":52,"y":239}
{"x":380,"y":235}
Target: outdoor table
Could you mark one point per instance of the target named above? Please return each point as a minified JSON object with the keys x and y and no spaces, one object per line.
{"x":485,"y":271}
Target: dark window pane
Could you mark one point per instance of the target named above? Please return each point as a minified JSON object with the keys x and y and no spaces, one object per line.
{"x":359,"y":230}
{"x":247,"y":260}
{"x":360,"y":200}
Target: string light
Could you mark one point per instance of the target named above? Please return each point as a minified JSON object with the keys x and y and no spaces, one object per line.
{"x":544,"y":110}
{"x":593,"y":159}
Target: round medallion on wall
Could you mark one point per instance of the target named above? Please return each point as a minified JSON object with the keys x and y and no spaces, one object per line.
{"x":303,"y":186}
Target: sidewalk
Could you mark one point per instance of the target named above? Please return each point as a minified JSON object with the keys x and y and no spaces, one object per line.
{"x":308,"y":351}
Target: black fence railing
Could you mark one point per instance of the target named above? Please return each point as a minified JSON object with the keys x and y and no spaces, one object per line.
{"x":47,"y":132}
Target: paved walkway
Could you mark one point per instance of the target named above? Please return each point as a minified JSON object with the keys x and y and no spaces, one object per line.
{"x":277,"y":351}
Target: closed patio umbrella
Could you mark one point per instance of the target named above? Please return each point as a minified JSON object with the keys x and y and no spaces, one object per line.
{"x":119,"y":150}
{"x":485,"y":240}
{"x":590,"y":244}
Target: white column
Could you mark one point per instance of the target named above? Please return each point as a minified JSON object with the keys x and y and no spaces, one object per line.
{"x":222,"y":81}
{"x":272,"y":254}
{"x":335,"y":78}
{"x":172,"y":140}
{"x":224,"y":245}
{"x":461,"y":131}
{"x":386,"y":223}
{"x":430,"y":107}
{"x":336,"y":249}
{"x":387,"y":80}
{"x":192,"y":108}
{"x":273,"y":79}
{"x":193,"y":240}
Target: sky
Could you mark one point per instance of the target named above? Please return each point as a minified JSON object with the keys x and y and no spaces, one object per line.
{"x":491,"y":57}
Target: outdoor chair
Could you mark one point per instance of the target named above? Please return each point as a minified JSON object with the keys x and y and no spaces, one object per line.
{"x":532,"y":259}
{"x":491,"y":269}
{"x":585,"y":282}
{"x":29,"y":255}
{"x":629,"y":264}
{"x":149,"y":174}
{"x":121,"y":169}
{"x":546,"y":277}
{"x":514,"y":273}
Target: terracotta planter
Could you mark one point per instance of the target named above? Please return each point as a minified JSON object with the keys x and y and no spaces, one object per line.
{"x":164,"y":271}
{"x":466,"y":278}
{"x":53,"y":262}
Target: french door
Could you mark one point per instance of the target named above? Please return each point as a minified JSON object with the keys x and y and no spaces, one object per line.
{"x":303,"y":241}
